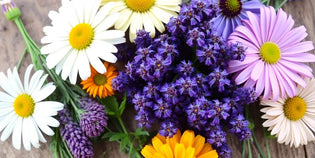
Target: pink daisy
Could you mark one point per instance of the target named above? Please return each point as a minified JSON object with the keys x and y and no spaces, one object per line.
{"x":274,"y":56}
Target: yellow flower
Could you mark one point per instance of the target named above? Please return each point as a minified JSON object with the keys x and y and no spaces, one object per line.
{"x":179,"y":146}
{"x":100,"y":84}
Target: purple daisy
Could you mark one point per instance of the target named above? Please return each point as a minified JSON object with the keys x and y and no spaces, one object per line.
{"x":274,"y":54}
{"x":231,"y":13}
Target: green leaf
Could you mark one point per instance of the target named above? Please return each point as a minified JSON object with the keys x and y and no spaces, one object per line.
{"x":111,"y":105}
{"x":140,"y":132}
{"x":117,"y":137}
{"x":123,"y":105}
{"x":107,"y":135}
{"x":124,"y":141}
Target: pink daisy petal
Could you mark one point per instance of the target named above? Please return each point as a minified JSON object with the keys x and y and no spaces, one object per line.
{"x":267,"y":84}
{"x":257,"y":70}
{"x":292,"y":76}
{"x":244,"y":75}
{"x":298,"y":68}
{"x":280,"y":78}
{"x":301,"y":47}
{"x":274,"y":83}
{"x":292,"y":37}
{"x":301,"y":57}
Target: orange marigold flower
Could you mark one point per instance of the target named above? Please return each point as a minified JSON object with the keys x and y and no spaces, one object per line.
{"x":100,"y":84}
{"x":179,"y":146}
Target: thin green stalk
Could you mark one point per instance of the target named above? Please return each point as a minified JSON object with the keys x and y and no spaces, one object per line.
{"x":257,"y":145}
{"x":122,"y":125}
{"x":281,"y":4}
{"x":29,"y":44}
{"x":249,"y":149}
{"x":267,"y":145}
{"x":243,"y":151}
{"x":21,"y":59}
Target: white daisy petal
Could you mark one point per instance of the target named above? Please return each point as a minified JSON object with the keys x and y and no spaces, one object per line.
{"x":292,"y":126}
{"x":19,"y":120}
{"x":9,"y":129}
{"x":47,"y":108}
{"x":84,"y":67}
{"x":67,"y":66}
{"x":44,"y":92}
{"x":67,"y":52}
{"x":96,"y":63}
{"x":34,"y":80}
{"x":17,"y":134}
{"x":151,"y":17}
{"x":101,"y":14}
{"x":107,"y":23}
{"x":26,"y":135}
{"x":43,"y":125}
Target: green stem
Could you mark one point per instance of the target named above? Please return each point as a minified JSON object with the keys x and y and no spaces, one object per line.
{"x":249,"y":149}
{"x":122,"y":125}
{"x":21,"y":59}
{"x":29,"y":44}
{"x":243,"y":151}
{"x":267,"y":144}
{"x":257,"y":145}
{"x":282,"y":3}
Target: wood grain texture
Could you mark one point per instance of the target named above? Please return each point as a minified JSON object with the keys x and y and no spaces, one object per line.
{"x":34,"y":16}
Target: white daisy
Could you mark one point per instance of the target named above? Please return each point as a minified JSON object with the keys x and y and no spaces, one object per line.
{"x":144,"y":13}
{"x":292,"y":120}
{"x":79,"y":36}
{"x":22,"y":109}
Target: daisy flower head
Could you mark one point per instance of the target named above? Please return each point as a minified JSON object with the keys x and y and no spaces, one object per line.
{"x":231,"y":13}
{"x":23,"y":113}
{"x":147,"y":14}
{"x":274,"y":55}
{"x":100,"y":84}
{"x":292,"y":119}
{"x":79,"y":36}
{"x":179,"y":146}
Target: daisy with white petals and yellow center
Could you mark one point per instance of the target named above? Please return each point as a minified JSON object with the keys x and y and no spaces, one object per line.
{"x":292,"y":119}
{"x":23,"y":113}
{"x":79,"y":36}
{"x":147,"y":14}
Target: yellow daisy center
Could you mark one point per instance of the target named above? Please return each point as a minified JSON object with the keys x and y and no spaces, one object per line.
{"x":230,"y":8}
{"x":81,"y":36}
{"x":139,"y":5}
{"x":100,"y":79}
{"x":24,"y":105}
{"x":294,"y":108}
{"x":270,"y":53}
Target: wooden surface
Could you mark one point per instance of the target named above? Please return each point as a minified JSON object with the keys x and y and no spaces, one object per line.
{"x":34,"y":16}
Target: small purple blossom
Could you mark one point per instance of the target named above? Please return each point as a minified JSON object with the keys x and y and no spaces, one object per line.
{"x":162,"y":109}
{"x":195,"y":37}
{"x":185,"y":68}
{"x":79,"y":145}
{"x":94,"y":120}
{"x":186,"y":86}
{"x":168,"y":128}
{"x":218,"y":78}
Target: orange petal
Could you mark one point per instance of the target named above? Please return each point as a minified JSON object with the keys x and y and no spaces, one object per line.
{"x":148,"y":151}
{"x":188,"y":138}
{"x":210,"y":154}
{"x":198,"y":144}
{"x":179,"y":151}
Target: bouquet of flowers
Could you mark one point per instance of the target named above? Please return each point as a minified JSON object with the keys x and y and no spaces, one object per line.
{"x":187,"y":72}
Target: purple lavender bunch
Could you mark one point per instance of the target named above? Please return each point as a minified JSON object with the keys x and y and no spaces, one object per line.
{"x":179,"y":79}
{"x":94,"y":120}
{"x":79,"y":145}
